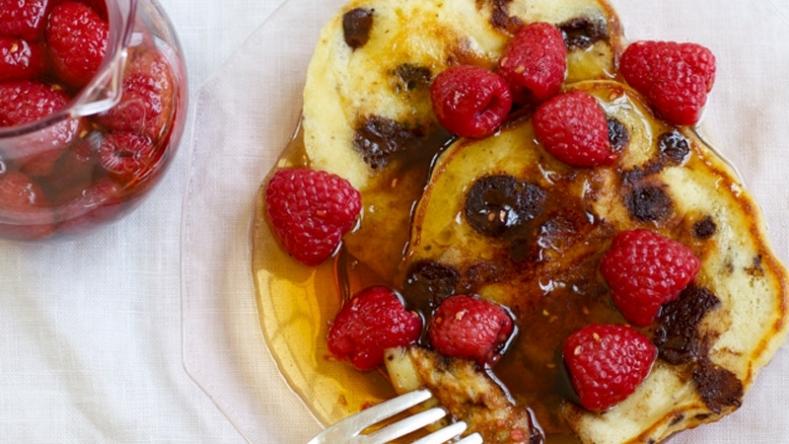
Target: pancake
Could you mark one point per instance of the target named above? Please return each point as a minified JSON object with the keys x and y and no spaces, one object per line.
{"x":466,"y":392}
{"x":367,"y":111}
{"x":712,"y":341}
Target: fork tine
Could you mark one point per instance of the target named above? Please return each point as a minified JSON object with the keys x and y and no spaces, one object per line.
{"x":471,"y":439}
{"x":386,"y":409}
{"x":406,"y":426}
{"x":444,"y":434}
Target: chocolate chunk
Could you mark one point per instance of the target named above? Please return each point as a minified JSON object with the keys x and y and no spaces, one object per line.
{"x":719,"y":388}
{"x":427,"y":283}
{"x":617,"y":134}
{"x":674,"y":146}
{"x":378,"y":138}
{"x":500,"y":16}
{"x":648,"y":203}
{"x":356,"y":25}
{"x":677,"y":335}
{"x":496,"y":205}
{"x":705,"y":228}
{"x":413,"y":76}
{"x":677,"y":419}
{"x":583,"y":32}
{"x":636,"y":174}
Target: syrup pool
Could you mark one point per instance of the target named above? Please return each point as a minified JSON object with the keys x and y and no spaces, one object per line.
{"x":297,"y":303}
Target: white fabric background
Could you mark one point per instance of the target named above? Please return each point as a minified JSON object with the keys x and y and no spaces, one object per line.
{"x":90,"y":330}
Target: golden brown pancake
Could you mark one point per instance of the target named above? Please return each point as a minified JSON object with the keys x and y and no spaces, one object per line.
{"x":367,"y":110}
{"x":712,"y":341}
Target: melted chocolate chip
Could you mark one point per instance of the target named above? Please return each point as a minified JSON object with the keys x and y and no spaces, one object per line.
{"x":496,"y":205}
{"x":378,"y":138}
{"x":674,"y":146}
{"x":705,"y":228}
{"x":677,"y":335}
{"x":356,"y":25}
{"x":413,"y":76}
{"x":648,"y":203}
{"x":636,"y":174}
{"x":583,"y":32}
{"x":617,"y":134}
{"x":719,"y":388}
{"x":677,"y":419}
{"x":500,"y":16}
{"x":427,"y":283}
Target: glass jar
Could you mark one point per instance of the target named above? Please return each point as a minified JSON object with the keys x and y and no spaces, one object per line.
{"x":94,"y":160}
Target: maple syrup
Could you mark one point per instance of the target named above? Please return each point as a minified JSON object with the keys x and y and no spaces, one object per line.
{"x":297,"y":303}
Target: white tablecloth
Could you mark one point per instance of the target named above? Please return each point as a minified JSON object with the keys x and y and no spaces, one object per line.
{"x":90,"y":330}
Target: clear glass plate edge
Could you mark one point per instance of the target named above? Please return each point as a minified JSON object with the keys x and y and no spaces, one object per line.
{"x":238,"y":406}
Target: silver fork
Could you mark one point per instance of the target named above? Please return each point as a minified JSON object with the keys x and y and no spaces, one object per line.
{"x":350,"y":429}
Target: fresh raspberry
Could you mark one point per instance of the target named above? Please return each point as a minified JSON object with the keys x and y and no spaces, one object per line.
{"x":100,"y":6}
{"x":607,"y":363}
{"x":77,"y":38}
{"x":573,"y":127}
{"x":25,"y":102}
{"x":374,"y":320}
{"x":674,"y":77}
{"x":19,"y":60}
{"x":23,"y":212}
{"x":535,"y":63}
{"x":646,"y":270}
{"x":22,"y":18}
{"x":127,"y":156}
{"x":470,"y":101}
{"x":148,"y":100}
{"x":470,"y":328}
{"x":310,"y":212}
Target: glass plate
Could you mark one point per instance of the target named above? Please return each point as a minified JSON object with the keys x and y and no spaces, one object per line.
{"x":244,"y":118}
{"x":247,"y":113}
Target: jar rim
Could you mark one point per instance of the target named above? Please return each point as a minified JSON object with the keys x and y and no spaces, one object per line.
{"x":121,"y":16}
